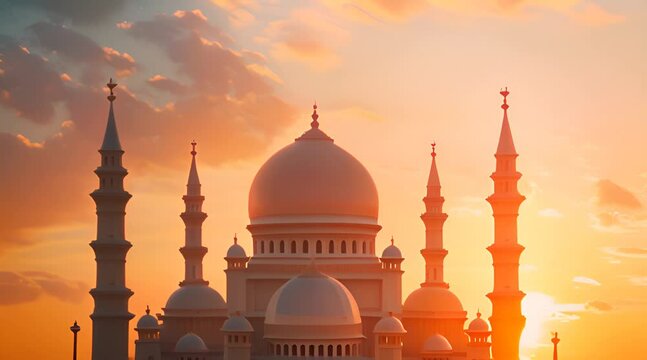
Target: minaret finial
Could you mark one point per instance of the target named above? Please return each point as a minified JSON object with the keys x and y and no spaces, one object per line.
{"x":193,"y":144}
{"x":235,"y":238}
{"x":433,"y":149}
{"x":392,"y":240}
{"x":505,"y":94}
{"x":478,"y":313}
{"x":315,"y":116}
{"x":148,"y":310}
{"x":111,"y":86}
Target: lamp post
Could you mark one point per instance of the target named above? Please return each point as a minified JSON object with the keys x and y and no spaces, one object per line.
{"x":75,"y":329}
{"x":555,"y":341}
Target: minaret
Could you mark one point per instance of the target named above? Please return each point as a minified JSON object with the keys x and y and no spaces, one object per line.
{"x":110,"y":317}
{"x":434,"y":218}
{"x":193,"y":217}
{"x":507,"y":321}
{"x":555,"y":341}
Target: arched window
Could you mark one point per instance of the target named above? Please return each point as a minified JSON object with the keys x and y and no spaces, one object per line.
{"x":271,"y":246}
{"x":282,"y":247}
{"x":319,"y":252}
{"x":286,"y":349}
{"x":262,"y":247}
{"x":343,"y":246}
{"x":338,"y":350}
{"x":331,"y":247}
{"x":278,"y":350}
{"x":305,"y":247}
{"x":311,"y":350}
{"x":363,"y":247}
{"x":330,"y":350}
{"x":354,"y":247}
{"x":347,"y":352}
{"x":321,"y":350}
{"x":293,"y":247}
{"x":303,"y":350}
{"x":294,"y":350}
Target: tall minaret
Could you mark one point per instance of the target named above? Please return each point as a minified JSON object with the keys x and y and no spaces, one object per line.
{"x":507,"y":321}
{"x":110,"y":317}
{"x":193,"y":217}
{"x":434,"y":218}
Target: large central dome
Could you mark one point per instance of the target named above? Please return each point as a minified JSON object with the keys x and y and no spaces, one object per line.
{"x":313,"y":180}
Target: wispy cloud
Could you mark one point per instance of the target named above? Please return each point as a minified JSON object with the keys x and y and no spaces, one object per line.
{"x":551,"y":213}
{"x":586,"y":281}
{"x":27,"y":286}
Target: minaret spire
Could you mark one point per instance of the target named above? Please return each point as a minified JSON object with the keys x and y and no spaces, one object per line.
{"x":193,"y":217}
{"x":110,"y":316}
{"x":555,"y":341}
{"x":507,"y":321}
{"x":434,"y":218}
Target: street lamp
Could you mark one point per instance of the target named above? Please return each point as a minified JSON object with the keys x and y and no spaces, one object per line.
{"x":75,"y":329}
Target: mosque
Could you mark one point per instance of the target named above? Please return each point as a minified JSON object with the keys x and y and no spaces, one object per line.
{"x":314,"y":285}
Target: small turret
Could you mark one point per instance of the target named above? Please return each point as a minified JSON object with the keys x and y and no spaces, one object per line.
{"x":478,"y":331}
{"x":388,"y":338}
{"x":238,"y":337}
{"x":147,"y":346}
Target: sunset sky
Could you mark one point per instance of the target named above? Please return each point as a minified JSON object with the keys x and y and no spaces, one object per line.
{"x":390,"y":78}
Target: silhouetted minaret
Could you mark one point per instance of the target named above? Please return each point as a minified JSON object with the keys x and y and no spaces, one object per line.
{"x":193,"y":217}
{"x":110,"y":317}
{"x":555,"y":341}
{"x":507,"y":321}
{"x":434,"y":218}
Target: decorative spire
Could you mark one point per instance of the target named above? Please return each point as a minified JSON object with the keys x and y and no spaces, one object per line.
{"x":111,"y":136}
{"x":193,"y":184}
{"x":434,"y":179}
{"x":148,"y":310}
{"x":392,"y":240}
{"x":478,"y":313}
{"x":506,"y":144}
{"x":555,"y":341}
{"x":235,"y":238}
{"x":315,"y":116}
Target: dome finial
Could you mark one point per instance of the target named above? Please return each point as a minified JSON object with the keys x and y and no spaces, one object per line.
{"x":392,"y":240}
{"x":235,"y":238}
{"x":478,"y":313}
{"x":433,"y":149}
{"x":315,"y":116}
{"x":505,"y":94}
{"x":148,"y":310}
{"x":193,"y":144}
{"x":111,"y":86}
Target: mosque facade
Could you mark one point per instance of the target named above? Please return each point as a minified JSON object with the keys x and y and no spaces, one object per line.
{"x":314,"y":285}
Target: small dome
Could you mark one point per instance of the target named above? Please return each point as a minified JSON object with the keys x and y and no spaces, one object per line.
{"x":238,"y":324}
{"x":195,"y":297}
{"x":147,"y":321}
{"x":313,"y":180}
{"x":313,"y":306}
{"x":190,"y":343}
{"x":436,"y":343}
{"x":236,"y":251}
{"x":389,"y":325}
{"x":479,"y":324}
{"x":392,"y":252}
{"x":435,"y":302}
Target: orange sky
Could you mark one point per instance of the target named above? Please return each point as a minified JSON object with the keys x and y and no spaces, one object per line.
{"x":240,"y":77}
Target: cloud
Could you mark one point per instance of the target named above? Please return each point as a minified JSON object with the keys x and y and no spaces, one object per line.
{"x":163,"y":83}
{"x":638,"y":280}
{"x":551,"y":213}
{"x":231,"y":110}
{"x":379,"y":10}
{"x":632,"y":253}
{"x":239,"y":11}
{"x":78,"y":11}
{"x":24,"y":287}
{"x":308,"y":37}
{"x":613,"y":195}
{"x":598,"y":306}
{"x":586,"y":281}
{"x":592,"y":14}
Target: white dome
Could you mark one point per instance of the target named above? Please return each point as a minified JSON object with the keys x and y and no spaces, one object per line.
{"x":389,"y":325}
{"x":434,"y":302}
{"x":195,"y":297}
{"x":237,"y":323}
{"x":147,"y":322}
{"x":479,"y":324}
{"x":313,"y":306}
{"x":392,"y":252}
{"x":236,"y":251}
{"x":190,"y":343}
{"x":436,"y":343}
{"x":313,"y":180}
